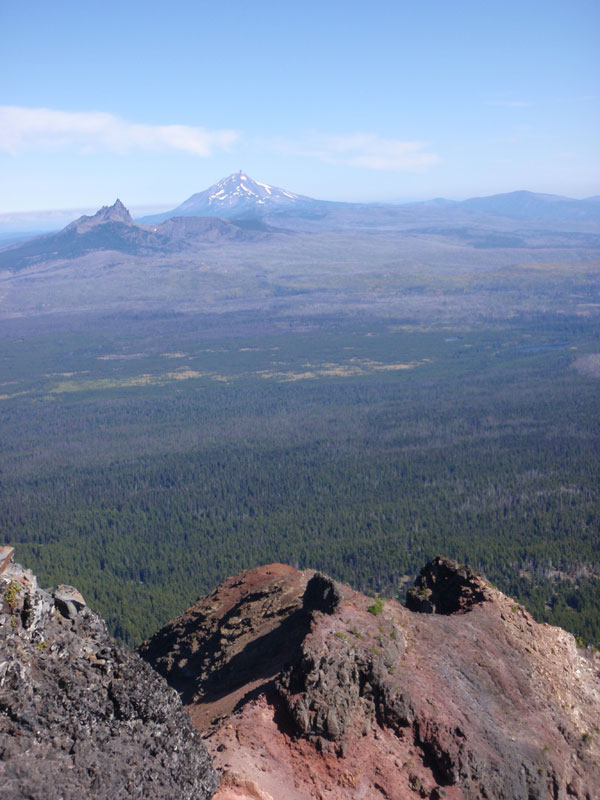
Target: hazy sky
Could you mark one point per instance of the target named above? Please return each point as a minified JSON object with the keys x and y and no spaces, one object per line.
{"x":337,"y":100}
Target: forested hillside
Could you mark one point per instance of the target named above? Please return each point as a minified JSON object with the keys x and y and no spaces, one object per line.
{"x":145,"y":458}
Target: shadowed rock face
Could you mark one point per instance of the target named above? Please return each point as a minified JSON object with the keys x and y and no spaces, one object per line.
{"x":234,"y":643}
{"x":321,"y":594}
{"x":303,"y":688}
{"x":81,"y":717}
{"x":445,"y":587}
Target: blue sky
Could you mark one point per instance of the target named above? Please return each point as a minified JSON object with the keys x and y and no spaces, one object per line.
{"x":338,"y":100}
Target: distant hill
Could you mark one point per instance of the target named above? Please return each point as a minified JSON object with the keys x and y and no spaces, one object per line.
{"x":530,"y":205}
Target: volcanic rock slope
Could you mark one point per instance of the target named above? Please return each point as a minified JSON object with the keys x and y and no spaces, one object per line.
{"x":303,"y":688}
{"x":80,"y":716}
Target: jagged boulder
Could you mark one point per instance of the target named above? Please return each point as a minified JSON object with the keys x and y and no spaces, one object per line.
{"x":321,"y":594}
{"x":446,"y":587}
{"x":80,"y":716}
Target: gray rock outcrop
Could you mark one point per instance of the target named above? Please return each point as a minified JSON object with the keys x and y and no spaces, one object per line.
{"x":81,"y":716}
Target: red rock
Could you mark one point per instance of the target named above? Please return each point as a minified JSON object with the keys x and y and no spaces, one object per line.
{"x":305,"y":693}
{"x":6,"y":554}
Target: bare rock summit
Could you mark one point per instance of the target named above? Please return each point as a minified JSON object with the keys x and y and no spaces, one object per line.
{"x":115,"y":213}
{"x":303,"y":688}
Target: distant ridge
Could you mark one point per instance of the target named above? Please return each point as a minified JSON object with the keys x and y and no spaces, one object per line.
{"x":239,"y":196}
{"x":241,"y":209}
{"x":112,"y":228}
{"x":532,"y":205}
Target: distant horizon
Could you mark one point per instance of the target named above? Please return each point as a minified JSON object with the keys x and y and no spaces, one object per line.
{"x":389,"y":102}
{"x":139,"y":209}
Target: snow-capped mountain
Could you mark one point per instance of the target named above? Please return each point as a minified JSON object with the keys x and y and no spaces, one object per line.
{"x":237,"y":191}
{"x":235,"y":196}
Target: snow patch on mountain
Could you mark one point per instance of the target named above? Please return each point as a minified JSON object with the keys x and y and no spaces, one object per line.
{"x":236,"y":195}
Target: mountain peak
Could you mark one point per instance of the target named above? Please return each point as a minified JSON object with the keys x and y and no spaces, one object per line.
{"x":237,"y":195}
{"x":115,"y":213}
{"x":118,"y":207}
{"x":239,"y":186}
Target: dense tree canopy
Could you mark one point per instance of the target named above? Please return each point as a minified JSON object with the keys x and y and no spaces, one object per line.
{"x":145,"y":461}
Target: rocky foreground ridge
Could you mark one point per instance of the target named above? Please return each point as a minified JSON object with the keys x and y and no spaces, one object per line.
{"x":303,"y":688}
{"x":299,"y":687}
{"x":80,"y":716}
